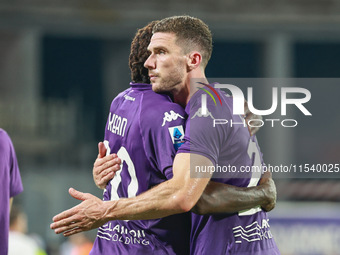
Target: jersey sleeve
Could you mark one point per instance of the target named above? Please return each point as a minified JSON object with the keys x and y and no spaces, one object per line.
{"x":203,"y":137}
{"x":15,"y":185}
{"x":16,"y":182}
{"x":162,"y":125}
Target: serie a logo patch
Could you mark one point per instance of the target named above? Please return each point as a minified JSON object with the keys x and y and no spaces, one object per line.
{"x":177,"y":136}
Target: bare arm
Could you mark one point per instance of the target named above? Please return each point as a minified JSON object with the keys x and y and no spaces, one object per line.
{"x":10,"y":203}
{"x":224,"y":198}
{"x":216,"y":198}
{"x":177,"y":195}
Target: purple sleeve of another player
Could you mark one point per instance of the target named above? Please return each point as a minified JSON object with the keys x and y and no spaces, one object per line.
{"x":15,"y":183}
{"x":10,"y":164}
{"x":163,"y":127}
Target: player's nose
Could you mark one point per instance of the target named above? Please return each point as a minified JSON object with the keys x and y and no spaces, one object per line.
{"x":150,"y":63}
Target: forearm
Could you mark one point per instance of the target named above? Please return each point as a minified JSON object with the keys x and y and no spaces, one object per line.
{"x":161,"y":201}
{"x":224,"y":198}
{"x":174,"y":196}
{"x":92,"y":212}
{"x":177,"y":195}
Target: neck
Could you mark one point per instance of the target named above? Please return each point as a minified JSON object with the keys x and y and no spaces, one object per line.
{"x":183,"y":95}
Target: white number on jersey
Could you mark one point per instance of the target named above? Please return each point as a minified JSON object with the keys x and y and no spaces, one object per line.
{"x":133,"y":185}
{"x":253,"y":151}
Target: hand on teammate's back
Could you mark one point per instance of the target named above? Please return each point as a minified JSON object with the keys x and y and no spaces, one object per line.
{"x":268,"y":186}
{"x":105,"y":167}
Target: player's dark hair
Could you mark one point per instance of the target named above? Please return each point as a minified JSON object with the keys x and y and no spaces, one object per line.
{"x":139,"y":54}
{"x":192,"y":33}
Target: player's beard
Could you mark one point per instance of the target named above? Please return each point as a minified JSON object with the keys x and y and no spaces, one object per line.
{"x":169,"y":83}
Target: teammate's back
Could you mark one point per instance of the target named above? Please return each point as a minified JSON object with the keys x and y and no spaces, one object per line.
{"x":143,"y":129}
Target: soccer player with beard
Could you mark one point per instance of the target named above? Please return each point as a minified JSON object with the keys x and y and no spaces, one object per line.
{"x":186,"y":46}
{"x":181,"y":192}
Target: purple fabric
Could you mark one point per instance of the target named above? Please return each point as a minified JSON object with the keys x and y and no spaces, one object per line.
{"x":10,"y":183}
{"x":225,"y":145}
{"x":144,"y":129}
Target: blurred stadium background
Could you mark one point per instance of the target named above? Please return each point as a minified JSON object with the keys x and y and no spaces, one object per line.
{"x":62,"y":62}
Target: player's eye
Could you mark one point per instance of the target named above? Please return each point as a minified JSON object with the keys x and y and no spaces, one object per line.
{"x":161,"y":52}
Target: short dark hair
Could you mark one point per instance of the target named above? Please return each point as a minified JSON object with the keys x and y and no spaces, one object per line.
{"x":139,"y":54}
{"x":190,"y":32}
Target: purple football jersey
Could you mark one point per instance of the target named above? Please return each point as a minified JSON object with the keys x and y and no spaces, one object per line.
{"x":223,"y":138}
{"x":10,"y":184}
{"x":144,"y":129}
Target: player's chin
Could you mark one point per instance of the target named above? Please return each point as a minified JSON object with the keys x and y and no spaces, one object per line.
{"x":156,"y":87}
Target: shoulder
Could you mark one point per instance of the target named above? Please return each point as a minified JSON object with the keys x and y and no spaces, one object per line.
{"x":3,"y":134}
{"x":159,"y":110}
{"x":162,"y":121}
{"x":160,"y":102}
{"x":120,"y":96}
{"x":5,"y":140}
{"x":204,"y":105}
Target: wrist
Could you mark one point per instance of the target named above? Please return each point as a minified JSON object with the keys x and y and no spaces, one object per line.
{"x":268,"y":194}
{"x":108,"y":210}
{"x":262,"y":195}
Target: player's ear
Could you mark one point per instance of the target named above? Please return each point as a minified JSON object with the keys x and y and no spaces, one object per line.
{"x":194,"y":60}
